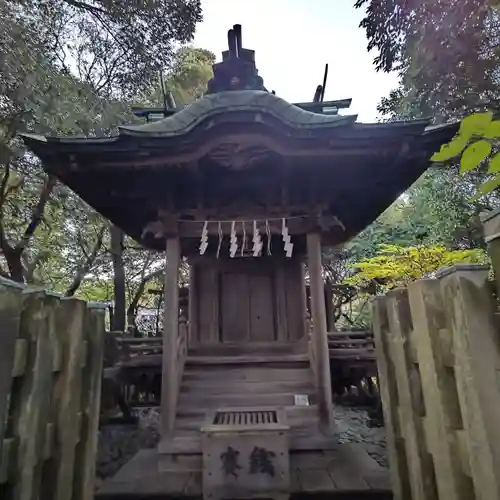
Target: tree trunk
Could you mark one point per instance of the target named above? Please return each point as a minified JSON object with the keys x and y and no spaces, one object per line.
{"x":14,"y":263}
{"x":118,"y":279}
{"x":13,"y":253}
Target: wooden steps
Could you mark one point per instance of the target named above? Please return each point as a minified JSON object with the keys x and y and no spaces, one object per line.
{"x":224,"y":376}
{"x":247,"y":399}
{"x":297,"y":418}
{"x":277,"y":360}
{"x":202,"y":387}
{"x":214,"y":374}
{"x":257,"y":348}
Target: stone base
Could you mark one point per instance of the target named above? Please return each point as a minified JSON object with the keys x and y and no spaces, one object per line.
{"x":343,"y":473}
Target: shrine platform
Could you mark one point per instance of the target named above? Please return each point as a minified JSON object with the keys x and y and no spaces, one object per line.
{"x":347,"y":472}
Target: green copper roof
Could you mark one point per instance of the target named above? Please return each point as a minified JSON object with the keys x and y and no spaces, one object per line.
{"x":236,"y":100}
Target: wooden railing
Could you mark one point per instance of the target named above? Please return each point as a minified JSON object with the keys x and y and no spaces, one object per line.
{"x":51,"y":354}
{"x":351,"y":346}
{"x":130,"y":347}
{"x":438,"y":350}
{"x":135,"y":371}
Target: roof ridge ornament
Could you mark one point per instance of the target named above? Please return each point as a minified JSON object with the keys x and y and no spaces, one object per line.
{"x":237,"y":71}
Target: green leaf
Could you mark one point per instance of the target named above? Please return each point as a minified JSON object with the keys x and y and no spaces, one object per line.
{"x":492,"y":131}
{"x":474,"y":155}
{"x":487,"y":187}
{"x":475,"y":124}
{"x":452,"y":149}
{"x":494,"y":164}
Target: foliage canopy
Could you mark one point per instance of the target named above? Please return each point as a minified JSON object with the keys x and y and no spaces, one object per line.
{"x":476,"y":140}
{"x":396,"y":266}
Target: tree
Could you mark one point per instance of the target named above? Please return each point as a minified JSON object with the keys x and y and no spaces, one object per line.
{"x":36,"y":96}
{"x":68,"y":68}
{"x":186,"y":79}
{"x":446,"y":55}
{"x":445,"y":51}
{"x":397,"y":266}
{"x":119,"y":47}
{"x":190,"y":73}
{"x":477,"y":143}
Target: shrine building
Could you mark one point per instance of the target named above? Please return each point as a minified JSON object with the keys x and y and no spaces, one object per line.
{"x":248,"y":188}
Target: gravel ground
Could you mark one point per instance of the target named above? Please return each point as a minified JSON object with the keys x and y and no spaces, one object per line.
{"x":353,"y":425}
{"x":119,"y":443}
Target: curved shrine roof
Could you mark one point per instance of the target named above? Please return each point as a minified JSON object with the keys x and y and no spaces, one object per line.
{"x":360,"y":169}
{"x":243,"y":142}
{"x":232,"y":101}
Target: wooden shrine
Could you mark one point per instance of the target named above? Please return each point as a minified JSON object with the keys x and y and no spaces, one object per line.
{"x":247,"y":188}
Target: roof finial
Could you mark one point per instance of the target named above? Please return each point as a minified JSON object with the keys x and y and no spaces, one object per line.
{"x":237,"y":70}
{"x":231,"y":41}
{"x":239,"y":42}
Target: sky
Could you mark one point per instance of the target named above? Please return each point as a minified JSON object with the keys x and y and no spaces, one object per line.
{"x":293,"y":40}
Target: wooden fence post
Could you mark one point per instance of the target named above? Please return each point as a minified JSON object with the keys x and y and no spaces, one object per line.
{"x":70,"y":329}
{"x":10,"y":317}
{"x":53,"y":379}
{"x":31,"y":403}
{"x":491,"y":229}
{"x":476,"y":346}
{"x":402,"y":352}
{"x":91,"y":392}
{"x":435,"y":359}
{"x":390,"y":403}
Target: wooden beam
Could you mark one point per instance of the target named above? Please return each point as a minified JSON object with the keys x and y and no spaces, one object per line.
{"x":170,"y":334}
{"x":169,"y":225}
{"x":291,"y":148}
{"x":323,"y":382}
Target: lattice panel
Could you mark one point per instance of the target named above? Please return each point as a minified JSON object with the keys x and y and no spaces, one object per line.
{"x":247,"y":417}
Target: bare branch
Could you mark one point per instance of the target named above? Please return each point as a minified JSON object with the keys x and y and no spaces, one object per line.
{"x":87,"y":7}
{"x":3,"y":195}
{"x":37,"y":214}
{"x":4,"y":274}
{"x":85,"y":268}
{"x":140,"y":290}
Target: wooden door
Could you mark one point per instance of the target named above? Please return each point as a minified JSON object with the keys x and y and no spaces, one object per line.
{"x":262,"y":308}
{"x":247,"y":308}
{"x":235,"y":307}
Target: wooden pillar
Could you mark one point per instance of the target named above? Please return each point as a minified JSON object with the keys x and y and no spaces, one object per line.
{"x":193,"y":306}
{"x":320,"y":340}
{"x":303,"y":301}
{"x":170,"y":334}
